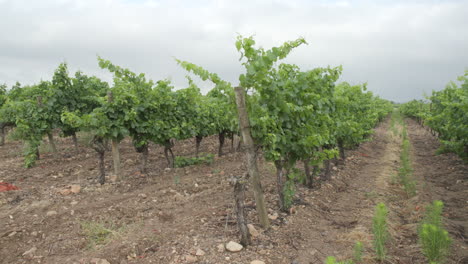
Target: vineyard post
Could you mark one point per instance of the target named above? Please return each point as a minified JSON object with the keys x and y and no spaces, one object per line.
{"x":251,"y":157}
{"x":51,"y":141}
{"x":239,"y":189}
{"x":115,"y":146}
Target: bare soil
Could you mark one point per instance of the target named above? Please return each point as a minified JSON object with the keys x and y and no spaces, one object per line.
{"x":168,"y":214}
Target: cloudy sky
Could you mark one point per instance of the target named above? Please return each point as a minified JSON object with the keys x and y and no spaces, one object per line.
{"x":403,"y":49}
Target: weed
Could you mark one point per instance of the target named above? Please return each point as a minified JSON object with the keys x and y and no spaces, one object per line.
{"x":30,"y":153}
{"x":45,"y":148}
{"x":405,"y":172}
{"x":435,"y":241}
{"x":371,"y":195}
{"x":186,"y":161}
{"x":357,"y":258}
{"x":332,"y":260}
{"x":396,"y":117}
{"x":379,"y":229}
{"x":358,"y":250}
{"x":97,"y":233}
{"x":289,"y":189}
{"x":394,"y":179}
{"x":177,"y":179}
{"x":433,"y":214}
{"x":84,"y":138}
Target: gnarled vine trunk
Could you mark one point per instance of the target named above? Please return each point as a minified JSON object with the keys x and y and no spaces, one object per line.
{"x":52,"y":142}
{"x":280,"y":183}
{"x":168,"y":149}
{"x":198,"y":140}
{"x":75,"y":140}
{"x":38,"y":155}
{"x":231,"y":136}
{"x":116,"y":158}
{"x":221,"y":138}
{"x":327,"y":170}
{"x":2,"y":134}
{"x":143,"y":150}
{"x":309,"y":178}
{"x":342,"y":150}
{"x":97,"y":143}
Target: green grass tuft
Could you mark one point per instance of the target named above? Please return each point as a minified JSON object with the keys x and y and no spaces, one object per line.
{"x":358,"y":252}
{"x":435,"y":241}
{"x":97,"y":233}
{"x":406,"y":171}
{"x":379,"y":229}
{"x":187,"y":161}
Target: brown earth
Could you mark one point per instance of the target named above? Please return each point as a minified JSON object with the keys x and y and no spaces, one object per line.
{"x":167,"y":215}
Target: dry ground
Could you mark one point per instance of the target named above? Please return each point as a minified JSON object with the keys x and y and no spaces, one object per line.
{"x":167,"y":215}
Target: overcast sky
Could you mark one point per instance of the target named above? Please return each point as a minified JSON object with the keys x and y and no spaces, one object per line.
{"x":403,"y":49}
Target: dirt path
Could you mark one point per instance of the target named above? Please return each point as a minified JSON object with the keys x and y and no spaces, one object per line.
{"x":166,"y":216}
{"x":442,"y":177}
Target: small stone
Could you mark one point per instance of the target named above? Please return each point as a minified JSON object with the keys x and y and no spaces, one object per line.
{"x":74,"y":188}
{"x":74,"y":203}
{"x":257,"y":262}
{"x":200,"y":252}
{"x":334,"y":168}
{"x":273,"y":216}
{"x":34,"y":234}
{"x":292,"y":210}
{"x":12,"y":234}
{"x":191,"y":259}
{"x":233,"y":246}
{"x":253,"y":231}
{"x":99,"y":261}
{"x":113,"y":178}
{"x":65,"y":191}
{"x":50,"y":213}
{"x":40,"y":204}
{"x":142,"y":195}
{"x":227,"y":258}
{"x":30,"y":252}
{"x":179,"y":197}
{"x":220,"y":248}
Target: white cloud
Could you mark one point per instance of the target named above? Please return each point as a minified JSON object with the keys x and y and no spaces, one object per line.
{"x":401,"y":48}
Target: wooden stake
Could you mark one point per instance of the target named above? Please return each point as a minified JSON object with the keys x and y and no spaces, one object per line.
{"x":251,"y":157}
